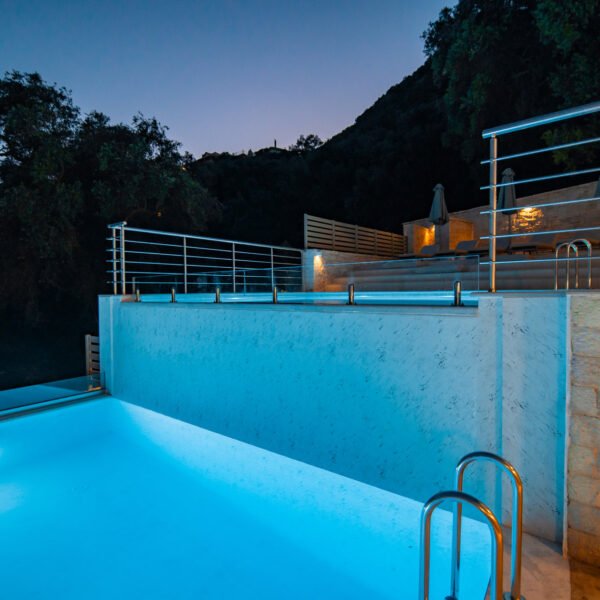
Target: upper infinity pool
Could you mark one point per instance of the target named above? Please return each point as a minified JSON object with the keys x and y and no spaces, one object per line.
{"x":104,"y":499}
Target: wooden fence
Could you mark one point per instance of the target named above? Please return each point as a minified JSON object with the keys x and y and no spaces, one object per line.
{"x":327,"y":234}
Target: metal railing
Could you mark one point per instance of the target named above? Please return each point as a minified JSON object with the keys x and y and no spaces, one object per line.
{"x":158,"y":261}
{"x":574,"y":246}
{"x":494,"y":158}
{"x":516,"y":527}
{"x":460,"y":498}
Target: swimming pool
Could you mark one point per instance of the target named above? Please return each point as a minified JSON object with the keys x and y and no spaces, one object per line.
{"x":104,"y":499}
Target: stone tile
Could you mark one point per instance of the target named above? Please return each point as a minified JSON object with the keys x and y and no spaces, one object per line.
{"x":584,"y":461}
{"x":585,"y":519}
{"x":585,"y":401}
{"x":585,"y":582}
{"x":583,"y":547}
{"x":546,"y":574}
{"x":585,"y":431}
{"x":585,"y":370}
{"x":584,"y":490}
{"x":584,"y":310}
{"x":586,"y":341}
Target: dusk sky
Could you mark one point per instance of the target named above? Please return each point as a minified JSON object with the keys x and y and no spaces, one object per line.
{"x":222,"y":75}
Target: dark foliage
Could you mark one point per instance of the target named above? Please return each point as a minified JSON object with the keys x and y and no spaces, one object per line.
{"x":489,"y":62}
{"x":63,"y":177}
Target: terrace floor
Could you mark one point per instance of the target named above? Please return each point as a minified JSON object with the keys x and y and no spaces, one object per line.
{"x":546,"y":574}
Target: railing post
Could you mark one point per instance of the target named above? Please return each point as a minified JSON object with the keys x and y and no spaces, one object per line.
{"x":114,"y":260}
{"x":493,"y":206}
{"x":233,"y":264}
{"x":351,"y":299}
{"x":458,"y":293}
{"x":272,"y":272}
{"x":122,"y":252}
{"x":185,"y":274}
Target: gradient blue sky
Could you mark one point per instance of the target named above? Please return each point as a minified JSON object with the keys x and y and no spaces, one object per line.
{"x":221,"y":74}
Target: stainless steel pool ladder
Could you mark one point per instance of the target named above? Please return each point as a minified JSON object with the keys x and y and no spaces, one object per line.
{"x":573,"y":245}
{"x":497,"y":544}
{"x":516,"y":525}
{"x":460,"y":498}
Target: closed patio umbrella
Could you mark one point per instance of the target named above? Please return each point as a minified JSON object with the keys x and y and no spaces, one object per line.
{"x":439,"y":212}
{"x":507,"y":198}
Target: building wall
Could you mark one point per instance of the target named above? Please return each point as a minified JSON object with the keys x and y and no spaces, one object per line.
{"x":392,"y":396}
{"x":583,"y":464}
{"x":527,"y":220}
{"x":323,"y":268}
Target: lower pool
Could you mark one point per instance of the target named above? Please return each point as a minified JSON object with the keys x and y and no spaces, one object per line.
{"x":104,"y":499}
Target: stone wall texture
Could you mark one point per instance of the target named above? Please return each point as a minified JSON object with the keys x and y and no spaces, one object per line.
{"x":583,"y":461}
{"x":525,"y":221}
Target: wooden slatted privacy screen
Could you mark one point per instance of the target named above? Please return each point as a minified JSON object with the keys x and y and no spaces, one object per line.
{"x":92,"y":354}
{"x":326,"y":234}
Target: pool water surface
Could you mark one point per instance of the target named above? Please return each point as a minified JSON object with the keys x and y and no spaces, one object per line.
{"x":104,"y":499}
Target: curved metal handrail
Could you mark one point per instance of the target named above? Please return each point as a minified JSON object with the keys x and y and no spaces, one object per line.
{"x":517,"y":520}
{"x":569,"y":246}
{"x":460,"y":498}
{"x":588,"y":247}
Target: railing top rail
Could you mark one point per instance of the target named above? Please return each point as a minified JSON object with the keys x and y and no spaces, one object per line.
{"x":561,"y":115}
{"x":200,"y":237}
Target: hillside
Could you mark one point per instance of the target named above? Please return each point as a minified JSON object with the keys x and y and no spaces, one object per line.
{"x":488,"y":63}
{"x":378,"y":172}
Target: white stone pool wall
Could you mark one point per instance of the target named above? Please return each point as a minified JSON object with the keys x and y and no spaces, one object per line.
{"x":392,"y":396}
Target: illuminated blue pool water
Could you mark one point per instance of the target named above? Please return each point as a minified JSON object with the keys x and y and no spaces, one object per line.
{"x":104,"y":499}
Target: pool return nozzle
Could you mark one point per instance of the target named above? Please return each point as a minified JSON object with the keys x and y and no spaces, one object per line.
{"x":351,"y":300}
{"x":217,"y":295}
{"x":173,"y":298}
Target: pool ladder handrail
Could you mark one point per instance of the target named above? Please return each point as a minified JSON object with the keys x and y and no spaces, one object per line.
{"x":460,"y":498}
{"x":573,"y":245}
{"x":516,"y":525}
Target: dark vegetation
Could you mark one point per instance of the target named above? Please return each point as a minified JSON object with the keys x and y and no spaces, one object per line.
{"x":64,"y":176}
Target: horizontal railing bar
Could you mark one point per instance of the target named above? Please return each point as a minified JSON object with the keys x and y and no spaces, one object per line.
{"x":543,"y":178}
{"x":540,"y":260}
{"x":146,"y":262}
{"x":547,"y":232}
{"x":215,"y":258}
{"x":110,"y":250}
{"x":132,"y":241}
{"x":191,"y":236}
{"x":145,"y":273}
{"x":541,"y":150}
{"x":205,"y":266}
{"x":229,"y":250}
{"x":542,"y":205}
{"x":561,"y":115}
